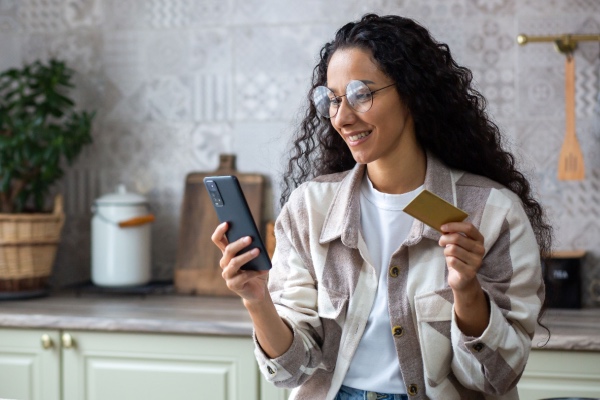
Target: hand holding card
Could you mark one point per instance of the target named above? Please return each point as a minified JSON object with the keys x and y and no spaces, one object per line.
{"x":433,"y":210}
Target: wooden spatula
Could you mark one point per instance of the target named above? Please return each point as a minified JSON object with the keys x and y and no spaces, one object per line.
{"x":570,"y":160}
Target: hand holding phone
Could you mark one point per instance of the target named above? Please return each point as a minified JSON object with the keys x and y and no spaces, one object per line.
{"x":231,"y":206}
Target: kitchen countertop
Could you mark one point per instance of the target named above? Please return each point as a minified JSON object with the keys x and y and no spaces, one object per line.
{"x":570,"y":329}
{"x":171,"y":313}
{"x":166,"y":313}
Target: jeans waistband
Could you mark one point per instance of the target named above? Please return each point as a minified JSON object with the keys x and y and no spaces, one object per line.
{"x":348,"y":393}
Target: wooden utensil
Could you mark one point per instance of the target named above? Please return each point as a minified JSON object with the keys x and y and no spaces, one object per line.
{"x":197,"y":268}
{"x":570,"y":160}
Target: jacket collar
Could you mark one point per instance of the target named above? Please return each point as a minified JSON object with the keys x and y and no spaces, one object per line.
{"x":343,"y":217}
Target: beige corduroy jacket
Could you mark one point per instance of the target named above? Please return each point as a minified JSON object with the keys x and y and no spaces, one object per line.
{"x":324,"y":288}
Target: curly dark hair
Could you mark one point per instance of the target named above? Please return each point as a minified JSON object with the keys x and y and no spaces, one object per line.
{"x":449,"y":114}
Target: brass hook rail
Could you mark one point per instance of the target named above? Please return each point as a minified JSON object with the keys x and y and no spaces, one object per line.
{"x":563,"y":43}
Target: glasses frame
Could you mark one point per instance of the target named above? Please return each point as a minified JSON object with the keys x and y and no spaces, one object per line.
{"x":339,"y":98}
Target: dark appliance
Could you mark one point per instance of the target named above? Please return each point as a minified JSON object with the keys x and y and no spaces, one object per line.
{"x":562,"y":276}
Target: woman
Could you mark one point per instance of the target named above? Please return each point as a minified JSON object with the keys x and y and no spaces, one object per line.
{"x":363,"y":301}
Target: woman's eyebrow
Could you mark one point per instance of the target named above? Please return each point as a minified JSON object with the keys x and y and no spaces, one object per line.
{"x":361,"y":80}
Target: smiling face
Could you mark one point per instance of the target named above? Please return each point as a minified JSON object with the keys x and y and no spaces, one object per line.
{"x":383,"y":135}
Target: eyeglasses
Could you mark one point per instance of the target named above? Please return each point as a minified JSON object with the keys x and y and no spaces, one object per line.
{"x":358,"y":94}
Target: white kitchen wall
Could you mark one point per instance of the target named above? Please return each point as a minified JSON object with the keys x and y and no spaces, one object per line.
{"x":176,"y":82}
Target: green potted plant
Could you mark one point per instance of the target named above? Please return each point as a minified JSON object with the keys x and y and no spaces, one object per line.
{"x":40,"y":130}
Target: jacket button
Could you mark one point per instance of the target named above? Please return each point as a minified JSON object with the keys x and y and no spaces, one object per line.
{"x":394,"y":271}
{"x":412,"y":389}
{"x":270,"y":370}
{"x":478,"y":347}
{"x":397,"y":331}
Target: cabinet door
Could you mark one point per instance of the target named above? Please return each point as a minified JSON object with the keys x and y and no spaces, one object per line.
{"x":268,"y":391}
{"x":28,"y":371}
{"x":156,"y":367}
{"x":551,"y":374}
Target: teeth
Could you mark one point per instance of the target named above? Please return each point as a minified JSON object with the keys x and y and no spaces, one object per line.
{"x":359,"y":136}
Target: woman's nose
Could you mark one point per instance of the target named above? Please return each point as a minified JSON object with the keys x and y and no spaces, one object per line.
{"x":345,"y":114}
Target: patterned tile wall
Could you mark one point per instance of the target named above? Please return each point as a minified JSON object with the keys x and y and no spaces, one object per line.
{"x":176,"y":82}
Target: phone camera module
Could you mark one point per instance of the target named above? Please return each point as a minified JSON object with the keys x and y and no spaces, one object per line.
{"x":214,"y":193}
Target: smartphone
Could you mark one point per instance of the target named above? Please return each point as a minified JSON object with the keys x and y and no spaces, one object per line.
{"x":230,"y":204}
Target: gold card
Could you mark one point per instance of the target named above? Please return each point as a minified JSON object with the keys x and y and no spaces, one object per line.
{"x":433,"y":210}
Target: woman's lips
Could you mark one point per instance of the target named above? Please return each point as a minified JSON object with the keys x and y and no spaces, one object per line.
{"x":358,"y":138}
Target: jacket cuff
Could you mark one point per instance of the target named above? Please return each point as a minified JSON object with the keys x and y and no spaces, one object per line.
{"x":277,"y":369}
{"x":491,"y":337}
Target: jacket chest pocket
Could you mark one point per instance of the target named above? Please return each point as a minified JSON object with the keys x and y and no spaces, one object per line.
{"x":331,"y":304}
{"x":434,"y":319}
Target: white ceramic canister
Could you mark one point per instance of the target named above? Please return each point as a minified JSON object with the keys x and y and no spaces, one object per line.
{"x":121,"y":239}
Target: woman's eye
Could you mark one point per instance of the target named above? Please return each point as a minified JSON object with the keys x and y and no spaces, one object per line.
{"x":335,"y":101}
{"x":362,"y":97}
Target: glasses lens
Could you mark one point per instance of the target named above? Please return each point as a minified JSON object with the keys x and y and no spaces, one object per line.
{"x":322,"y":98}
{"x":359,"y":96}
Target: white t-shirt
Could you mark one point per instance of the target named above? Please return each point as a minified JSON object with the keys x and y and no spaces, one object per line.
{"x":385,"y":226}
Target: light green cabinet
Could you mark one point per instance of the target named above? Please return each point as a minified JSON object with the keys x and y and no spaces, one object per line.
{"x":554,"y":373}
{"x":102,"y":365}
{"x":41,"y":364}
{"x":28,"y":368}
{"x":269,"y":392}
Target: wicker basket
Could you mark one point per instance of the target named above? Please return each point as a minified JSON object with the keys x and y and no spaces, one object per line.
{"x":28,"y":244}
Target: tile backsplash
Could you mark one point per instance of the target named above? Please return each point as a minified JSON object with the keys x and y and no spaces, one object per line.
{"x":177,"y":82}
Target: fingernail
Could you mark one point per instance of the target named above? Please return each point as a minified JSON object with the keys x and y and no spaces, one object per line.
{"x":247,"y":239}
{"x":444,"y":227}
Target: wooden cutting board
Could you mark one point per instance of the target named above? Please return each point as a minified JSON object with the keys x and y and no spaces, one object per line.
{"x":197,"y":268}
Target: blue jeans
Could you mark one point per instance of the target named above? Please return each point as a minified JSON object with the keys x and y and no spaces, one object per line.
{"x":348,"y":393}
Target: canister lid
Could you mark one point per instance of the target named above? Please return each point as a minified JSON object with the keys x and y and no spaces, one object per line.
{"x":121,"y":197}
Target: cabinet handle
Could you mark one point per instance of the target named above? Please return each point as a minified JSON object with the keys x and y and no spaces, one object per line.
{"x":67,"y":341}
{"x":47,"y":342}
